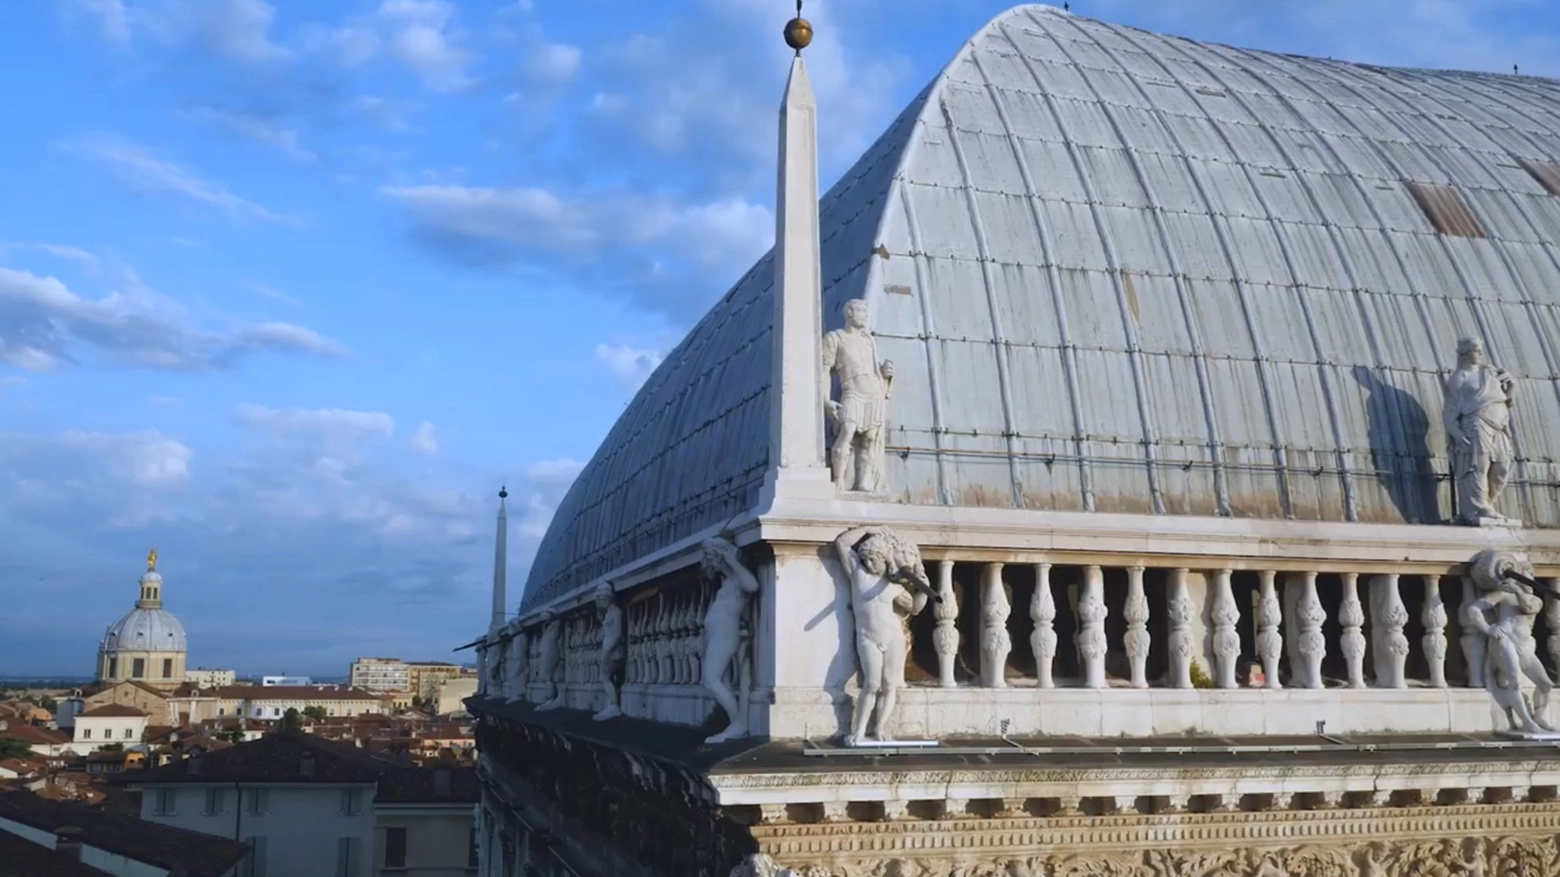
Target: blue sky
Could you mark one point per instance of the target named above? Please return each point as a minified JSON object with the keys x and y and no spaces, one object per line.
{"x":287,"y":289}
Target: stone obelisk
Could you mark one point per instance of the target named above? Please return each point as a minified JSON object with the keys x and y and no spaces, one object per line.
{"x":500,"y":565}
{"x":797,"y":469}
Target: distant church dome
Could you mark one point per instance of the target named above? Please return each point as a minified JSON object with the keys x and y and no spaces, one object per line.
{"x":148,"y":643}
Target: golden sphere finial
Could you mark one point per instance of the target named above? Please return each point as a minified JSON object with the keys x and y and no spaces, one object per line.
{"x":798,"y":31}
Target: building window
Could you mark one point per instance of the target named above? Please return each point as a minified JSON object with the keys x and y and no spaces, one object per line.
{"x":129,"y":734}
{"x":221,"y":711}
{"x":351,"y":802}
{"x":214,"y":802}
{"x":138,"y":668}
{"x":254,"y":864}
{"x":346,"y":849}
{"x":86,"y":733}
{"x":167,"y":668}
{"x":276,"y":710}
{"x":163,"y":804}
{"x":395,"y":848}
{"x":113,"y":667}
{"x":259,"y":802}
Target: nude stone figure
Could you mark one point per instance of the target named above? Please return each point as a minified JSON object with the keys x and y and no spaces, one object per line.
{"x":1504,"y":613}
{"x":613,"y":650}
{"x":724,"y":625}
{"x":856,"y":458}
{"x":888,"y":584}
{"x":552,"y":697}
{"x":1477,"y":416}
{"x":519,"y":654}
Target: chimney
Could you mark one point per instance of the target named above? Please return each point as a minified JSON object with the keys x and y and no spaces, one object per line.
{"x":441,"y":782}
{"x":306,"y":766}
{"x":67,"y":842}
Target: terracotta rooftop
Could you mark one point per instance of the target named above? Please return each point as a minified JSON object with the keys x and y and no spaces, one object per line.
{"x":438,"y":784}
{"x":201,"y":855}
{"x":283,"y":757}
{"x":35,"y":736}
{"x":111,"y":710}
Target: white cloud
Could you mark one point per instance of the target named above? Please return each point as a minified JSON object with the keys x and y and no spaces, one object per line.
{"x":141,"y":172}
{"x":328,"y":425}
{"x":422,"y":440}
{"x":549,"y":480}
{"x":110,"y":17}
{"x":276,"y":294}
{"x":149,"y":458}
{"x":238,"y":31}
{"x":259,"y":129}
{"x":44,"y":325}
{"x":630,"y":365}
{"x":555,"y":62}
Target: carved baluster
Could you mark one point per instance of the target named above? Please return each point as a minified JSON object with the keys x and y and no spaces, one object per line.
{"x":696,"y":609}
{"x":680,"y":675}
{"x":1091,"y":627}
{"x":1226,"y":642}
{"x":1388,"y":615}
{"x":1136,"y":613}
{"x":1042,"y":611}
{"x":1351,"y":615}
{"x":1433,"y":616}
{"x":663,"y":651}
{"x":1310,"y":645}
{"x":1473,"y":643}
{"x":1552,"y":619}
{"x":945,"y":636}
{"x":1179,"y":610}
{"x":1270,"y":643}
{"x":995,"y":644}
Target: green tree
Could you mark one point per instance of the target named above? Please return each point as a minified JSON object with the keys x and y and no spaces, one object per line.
{"x":292,"y":720}
{"x":112,"y":747}
{"x":48,"y":703}
{"x":317,"y":713}
{"x":10,"y":747}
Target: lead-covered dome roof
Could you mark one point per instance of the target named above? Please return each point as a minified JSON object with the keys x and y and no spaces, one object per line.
{"x":1120,"y":271}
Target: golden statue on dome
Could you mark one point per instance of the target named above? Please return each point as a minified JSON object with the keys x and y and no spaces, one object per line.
{"x":151,"y":561}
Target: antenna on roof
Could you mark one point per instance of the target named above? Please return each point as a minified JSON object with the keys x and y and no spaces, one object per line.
{"x":1514,"y":71}
{"x":1066,"y":7}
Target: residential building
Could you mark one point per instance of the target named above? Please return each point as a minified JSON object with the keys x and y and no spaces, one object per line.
{"x":191,"y":704}
{"x":303,"y":806}
{"x":450,"y":699}
{"x":43,"y":741}
{"x":110,"y":723}
{"x":148,"y":643}
{"x":37,"y":834}
{"x":260,"y":702}
{"x":206,"y":678}
{"x":284,"y":681}
{"x":1205,"y":356}
{"x":144,"y":697}
{"x":67,"y":708}
{"x":381,"y":674}
{"x":424,"y":677}
{"x":424,"y":822}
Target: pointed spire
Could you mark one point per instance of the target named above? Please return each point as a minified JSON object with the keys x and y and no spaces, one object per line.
{"x":796,"y":409}
{"x":501,"y":563}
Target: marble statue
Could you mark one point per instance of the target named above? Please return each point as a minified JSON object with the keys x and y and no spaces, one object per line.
{"x":888,"y":584}
{"x":614,"y":650}
{"x":552,"y":697}
{"x":496,"y":663}
{"x":519,"y":655}
{"x":723,"y":635}
{"x":1504,"y":613}
{"x":1477,"y":415}
{"x":856,"y":458}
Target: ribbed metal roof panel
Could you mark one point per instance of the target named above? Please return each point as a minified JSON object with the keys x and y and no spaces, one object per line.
{"x":1176,"y":256}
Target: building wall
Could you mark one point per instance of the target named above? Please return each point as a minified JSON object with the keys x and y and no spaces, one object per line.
{"x":127,"y":694}
{"x":438,"y":839}
{"x":424,"y":679}
{"x":275,"y":708}
{"x":92,"y":732}
{"x":381,"y":674}
{"x":298,"y":830}
{"x":210,"y":678}
{"x":452,"y":694}
{"x":273,"y":681}
{"x":120,"y":666}
{"x":200,"y":709}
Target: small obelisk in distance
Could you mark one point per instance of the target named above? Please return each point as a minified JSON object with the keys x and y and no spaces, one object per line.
{"x":796,"y":463}
{"x":500,"y":564}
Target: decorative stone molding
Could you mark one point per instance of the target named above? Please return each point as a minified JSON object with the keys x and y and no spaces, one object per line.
{"x":1137,"y":638}
{"x":1433,"y":617}
{"x":945,"y":636}
{"x":995,"y":643}
{"x":1270,"y":643}
{"x":1091,"y":627}
{"x":1042,"y":611}
{"x":1225,"y":614}
{"x":1180,"y":612}
{"x":1351,"y":615}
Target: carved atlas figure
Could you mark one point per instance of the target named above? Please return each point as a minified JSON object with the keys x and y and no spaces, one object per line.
{"x":519,"y":655}
{"x":1477,"y":415}
{"x":725,"y":632}
{"x":552,"y":698}
{"x":1504,"y":613}
{"x":856,"y":457}
{"x":888,"y":584}
{"x":613,"y":650}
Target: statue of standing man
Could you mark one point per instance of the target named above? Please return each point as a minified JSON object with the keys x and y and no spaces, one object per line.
{"x":888,"y":584}
{"x":724,"y":635}
{"x":856,"y":458}
{"x":1477,"y":414}
{"x":613,"y":650}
